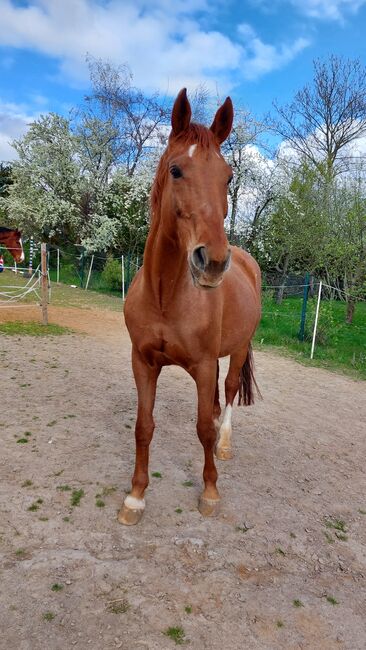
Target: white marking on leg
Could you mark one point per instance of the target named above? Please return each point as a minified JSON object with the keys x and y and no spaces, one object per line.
{"x":191,"y":150}
{"x":226,"y":429}
{"x":133,"y":503}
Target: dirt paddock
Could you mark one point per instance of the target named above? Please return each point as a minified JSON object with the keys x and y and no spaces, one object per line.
{"x":282,"y":566}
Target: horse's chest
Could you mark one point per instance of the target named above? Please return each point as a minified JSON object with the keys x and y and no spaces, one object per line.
{"x":166,"y":343}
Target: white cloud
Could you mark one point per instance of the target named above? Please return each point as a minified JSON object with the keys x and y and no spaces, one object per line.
{"x":162,"y":41}
{"x":329,"y":9}
{"x":336,"y":10}
{"x":262,"y":57}
{"x":14,"y":121}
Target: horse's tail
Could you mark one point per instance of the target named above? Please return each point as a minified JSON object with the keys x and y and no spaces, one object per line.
{"x":247,"y":383}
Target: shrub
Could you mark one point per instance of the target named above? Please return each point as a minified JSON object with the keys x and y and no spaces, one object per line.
{"x":112,"y":274}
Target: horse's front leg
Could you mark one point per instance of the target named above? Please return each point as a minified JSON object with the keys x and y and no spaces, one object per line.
{"x":205,"y":378}
{"x":146,"y":378}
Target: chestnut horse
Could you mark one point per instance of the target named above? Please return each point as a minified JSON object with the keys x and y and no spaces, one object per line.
{"x":195,"y":299}
{"x":12,"y":239}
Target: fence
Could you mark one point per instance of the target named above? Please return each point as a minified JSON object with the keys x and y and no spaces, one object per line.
{"x":93,"y":271}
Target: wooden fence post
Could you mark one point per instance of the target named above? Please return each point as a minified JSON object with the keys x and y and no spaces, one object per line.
{"x":44,"y":282}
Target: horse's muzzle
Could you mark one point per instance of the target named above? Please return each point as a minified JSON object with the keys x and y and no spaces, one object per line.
{"x":207,"y":273}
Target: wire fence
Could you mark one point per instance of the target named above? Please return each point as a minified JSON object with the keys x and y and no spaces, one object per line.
{"x":289,"y":309}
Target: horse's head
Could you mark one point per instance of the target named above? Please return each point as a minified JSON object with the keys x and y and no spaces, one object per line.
{"x":16,"y":246}
{"x":193,"y":190}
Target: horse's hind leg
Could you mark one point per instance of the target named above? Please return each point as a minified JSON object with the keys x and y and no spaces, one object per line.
{"x":223,"y":448}
{"x":146,"y":378}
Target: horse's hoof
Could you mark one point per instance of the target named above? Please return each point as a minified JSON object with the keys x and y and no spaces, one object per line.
{"x":128,"y":516}
{"x":208,"y":507}
{"x":223,"y":453}
{"x":131,"y":511}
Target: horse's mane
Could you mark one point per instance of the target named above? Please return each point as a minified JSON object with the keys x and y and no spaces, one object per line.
{"x":195,"y":134}
{"x":3,"y":229}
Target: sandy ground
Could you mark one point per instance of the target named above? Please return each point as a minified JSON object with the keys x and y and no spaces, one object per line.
{"x":299,"y":463}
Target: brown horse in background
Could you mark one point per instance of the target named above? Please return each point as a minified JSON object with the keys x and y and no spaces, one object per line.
{"x":12,"y":239}
{"x":195,"y":299}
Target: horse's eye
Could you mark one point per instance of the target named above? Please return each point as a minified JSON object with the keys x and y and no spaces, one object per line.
{"x":175,"y":171}
{"x":230,"y":179}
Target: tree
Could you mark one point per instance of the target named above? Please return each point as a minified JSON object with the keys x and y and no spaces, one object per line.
{"x":139,"y":121}
{"x":327,"y":116}
{"x":247,"y":185}
{"x":293,"y":235}
{"x":5,"y":182}
{"x":60,"y":181}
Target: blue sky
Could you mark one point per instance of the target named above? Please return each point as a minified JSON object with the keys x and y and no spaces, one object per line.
{"x":254,"y":50}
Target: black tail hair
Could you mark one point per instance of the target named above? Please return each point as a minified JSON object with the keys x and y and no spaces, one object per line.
{"x":247,"y":383}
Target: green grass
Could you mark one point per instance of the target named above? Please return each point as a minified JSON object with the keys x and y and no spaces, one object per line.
{"x":343,"y":346}
{"x":99,"y":503}
{"x":156,"y":475}
{"x":187,"y":483}
{"x":297,"y":603}
{"x":57,"y":587}
{"x":76,"y":497}
{"x":332,"y":600}
{"x":177,"y":634}
{"x":48,"y":616}
{"x":20,"y":328}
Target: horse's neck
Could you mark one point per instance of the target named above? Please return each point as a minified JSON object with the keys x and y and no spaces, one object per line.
{"x":165,"y":265}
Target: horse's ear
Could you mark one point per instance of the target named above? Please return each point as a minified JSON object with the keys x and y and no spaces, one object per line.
{"x":223,"y":121}
{"x":181,"y":113}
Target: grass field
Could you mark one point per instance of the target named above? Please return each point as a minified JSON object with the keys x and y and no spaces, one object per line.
{"x":339,"y":347}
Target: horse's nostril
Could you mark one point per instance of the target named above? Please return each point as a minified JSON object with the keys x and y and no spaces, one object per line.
{"x":199,"y":258}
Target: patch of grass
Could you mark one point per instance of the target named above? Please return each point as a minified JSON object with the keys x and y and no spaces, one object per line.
{"x":20,"y":328}
{"x":343,"y":350}
{"x":119,"y":607}
{"x":48,"y":616}
{"x":187,"y":483}
{"x":64,"y":488}
{"x":332,"y":600}
{"x":177,"y":634}
{"x":52,"y":423}
{"x":76,"y":497}
{"x":188,"y":609}
{"x":67,"y":519}
{"x":22,"y":441}
{"x":279,"y":623}
{"x":178,"y":511}
{"x":39,"y":501}
{"x":280,"y":551}
{"x":57,"y":587}
{"x":338,"y":524}
{"x":341,"y":536}
{"x":297,"y":603}
{"x":156,"y":475}
{"x":27,"y":433}
{"x":20,"y":552}
{"x":362,"y":512}
{"x":27,"y":483}
{"x":43,"y":518}
{"x":328,"y":537}
{"x":100,"y":503}
{"x":108,"y":490}
{"x":33,"y":507}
